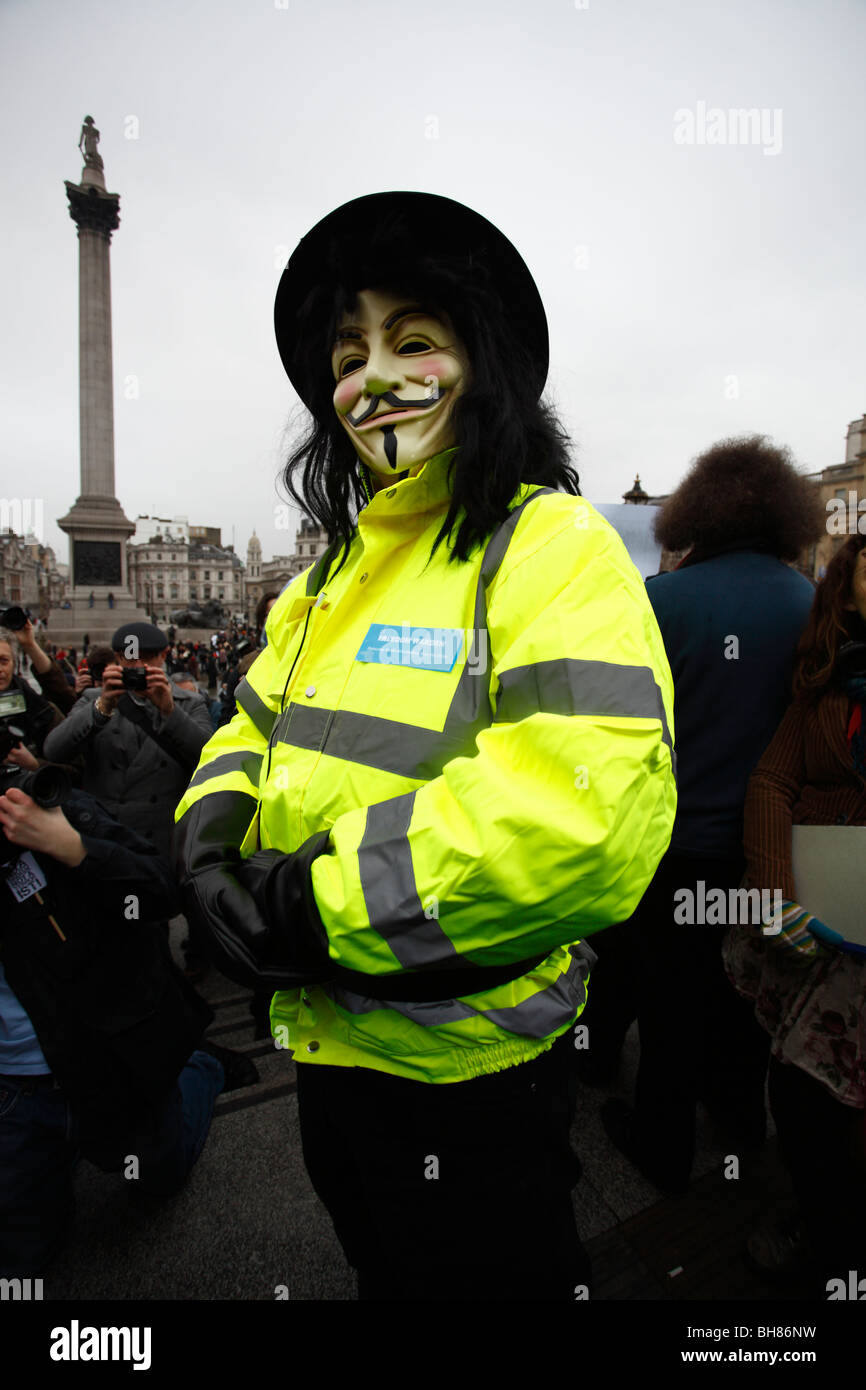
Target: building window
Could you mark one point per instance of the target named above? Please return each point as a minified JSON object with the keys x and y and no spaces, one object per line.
{"x":220,"y":574}
{"x":174,"y":591}
{"x":221,"y":593}
{"x":207,"y":574}
{"x":207,"y":590}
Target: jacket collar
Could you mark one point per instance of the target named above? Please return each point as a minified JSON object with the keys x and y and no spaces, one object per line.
{"x":426,"y":489}
{"x":697,"y":554}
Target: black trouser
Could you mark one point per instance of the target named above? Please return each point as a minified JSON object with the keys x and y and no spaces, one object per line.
{"x":821,"y":1142}
{"x":698,"y":1037}
{"x":458,"y":1191}
{"x":612,"y":999}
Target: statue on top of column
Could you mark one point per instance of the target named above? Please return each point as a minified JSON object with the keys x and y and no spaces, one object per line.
{"x":89,"y":137}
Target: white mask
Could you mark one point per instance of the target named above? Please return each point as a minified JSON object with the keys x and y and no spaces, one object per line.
{"x":399,"y":369}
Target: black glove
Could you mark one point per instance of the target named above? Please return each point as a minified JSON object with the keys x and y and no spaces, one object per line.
{"x":207,"y":864}
{"x":282,"y":890}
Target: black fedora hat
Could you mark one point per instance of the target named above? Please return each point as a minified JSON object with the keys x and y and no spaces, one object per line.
{"x":427,"y":224}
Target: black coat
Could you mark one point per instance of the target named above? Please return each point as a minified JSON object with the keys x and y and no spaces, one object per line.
{"x":114,"y":1016}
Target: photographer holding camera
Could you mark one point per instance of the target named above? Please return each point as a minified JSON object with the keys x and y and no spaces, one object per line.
{"x":46,"y":669}
{"x":26,"y":718}
{"x":92,"y":668}
{"x":141,"y":736}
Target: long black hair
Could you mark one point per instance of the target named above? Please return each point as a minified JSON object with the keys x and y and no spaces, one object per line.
{"x":505,"y":435}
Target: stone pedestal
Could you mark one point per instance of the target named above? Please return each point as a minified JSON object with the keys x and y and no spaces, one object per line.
{"x":97,"y":530}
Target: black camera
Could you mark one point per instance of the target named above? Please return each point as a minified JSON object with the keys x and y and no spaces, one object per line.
{"x":48,"y":786}
{"x":14,"y":619}
{"x":135,"y":677}
{"x":11,"y":736}
{"x":13,"y":714}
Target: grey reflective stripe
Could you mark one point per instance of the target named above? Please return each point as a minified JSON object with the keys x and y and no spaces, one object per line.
{"x":318,"y":572}
{"x":532,"y":1016}
{"x":536,"y":1017}
{"x":394,"y":908}
{"x":571,"y":686}
{"x":248,"y":763}
{"x":386,"y":744}
{"x":303,"y":726}
{"x":501,"y":538}
{"x":470,"y":709}
{"x":263,"y":717}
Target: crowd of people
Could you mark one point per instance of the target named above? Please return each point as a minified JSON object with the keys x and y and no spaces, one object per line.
{"x":767,"y":735}
{"x":213,"y":666}
{"x":101,"y":1050}
{"x":429,"y":868}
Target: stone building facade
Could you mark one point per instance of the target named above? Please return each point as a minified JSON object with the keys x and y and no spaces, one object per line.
{"x":29,"y":576}
{"x":272,"y":576}
{"x":171,"y":569}
{"x":842,"y":489}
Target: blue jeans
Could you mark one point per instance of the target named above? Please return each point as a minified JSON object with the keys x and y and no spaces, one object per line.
{"x":40,"y":1144}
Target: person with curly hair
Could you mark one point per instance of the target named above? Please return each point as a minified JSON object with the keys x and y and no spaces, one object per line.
{"x":730,"y":616}
{"x":810,"y":997}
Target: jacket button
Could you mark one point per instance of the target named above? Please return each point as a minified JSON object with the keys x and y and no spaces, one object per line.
{"x":312,"y":1046}
{"x":361,"y":580}
{"x":310,"y":691}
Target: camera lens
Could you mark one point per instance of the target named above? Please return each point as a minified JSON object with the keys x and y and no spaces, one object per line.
{"x":49,"y":785}
{"x":14,"y":619}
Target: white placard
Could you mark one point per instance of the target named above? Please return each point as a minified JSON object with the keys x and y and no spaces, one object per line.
{"x":829,"y":864}
{"x":26,"y":878}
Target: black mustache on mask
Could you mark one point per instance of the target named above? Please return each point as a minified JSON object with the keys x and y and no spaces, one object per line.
{"x":391,"y":399}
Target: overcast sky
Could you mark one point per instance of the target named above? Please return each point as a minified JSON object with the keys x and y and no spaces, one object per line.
{"x":694,"y":290}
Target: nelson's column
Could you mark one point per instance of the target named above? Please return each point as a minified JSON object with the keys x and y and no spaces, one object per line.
{"x":96,"y":525}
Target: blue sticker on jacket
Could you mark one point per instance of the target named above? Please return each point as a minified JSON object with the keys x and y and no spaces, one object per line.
{"x":425,"y":648}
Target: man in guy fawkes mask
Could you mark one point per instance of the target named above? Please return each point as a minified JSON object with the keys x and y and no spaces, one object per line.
{"x":450,"y":764}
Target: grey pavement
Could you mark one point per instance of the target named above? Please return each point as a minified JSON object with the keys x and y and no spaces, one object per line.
{"x":248,"y":1225}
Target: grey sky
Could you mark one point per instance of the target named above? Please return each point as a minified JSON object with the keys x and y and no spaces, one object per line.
{"x":667,"y":269}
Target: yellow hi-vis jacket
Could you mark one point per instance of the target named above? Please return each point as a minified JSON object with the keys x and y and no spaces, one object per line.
{"x":489,"y":744}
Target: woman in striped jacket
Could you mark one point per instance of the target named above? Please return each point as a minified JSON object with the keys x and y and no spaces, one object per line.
{"x":810,"y":996}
